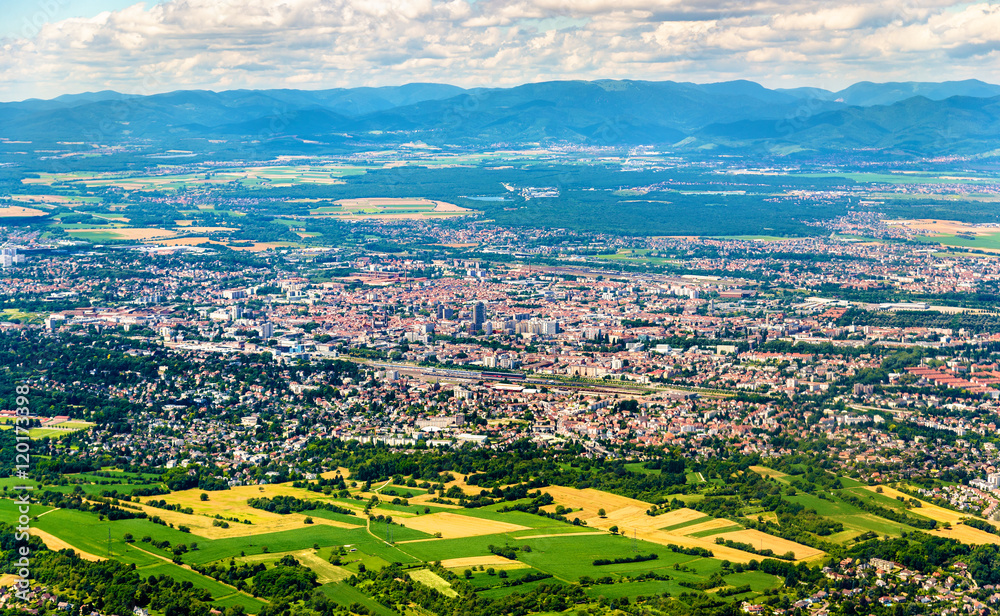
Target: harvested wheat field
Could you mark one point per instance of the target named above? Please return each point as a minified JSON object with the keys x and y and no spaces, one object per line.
{"x":17,"y":211}
{"x":586,"y":503}
{"x":341,"y":470}
{"x":9,"y":579}
{"x":763,"y":541}
{"x":425,"y":499}
{"x":946,"y":227}
{"x":453,"y":526}
{"x":629,"y":515}
{"x":469,"y":489}
{"x":263,"y":522}
{"x":497,"y":562}
{"x":677,"y":516}
{"x":966,"y":534}
{"x":927,"y":510}
{"x":235,"y":500}
{"x":55,"y":543}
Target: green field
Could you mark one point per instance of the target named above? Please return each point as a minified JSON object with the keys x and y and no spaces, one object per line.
{"x":346,"y":595}
{"x":987,"y":242}
{"x":561,"y":550}
{"x":12,"y":314}
{"x":688,"y":523}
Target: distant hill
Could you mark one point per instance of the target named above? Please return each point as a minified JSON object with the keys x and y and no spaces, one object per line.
{"x":912,"y":118}
{"x":866,"y":93}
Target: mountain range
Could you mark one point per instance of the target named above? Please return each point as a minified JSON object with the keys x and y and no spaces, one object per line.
{"x":912,"y":118}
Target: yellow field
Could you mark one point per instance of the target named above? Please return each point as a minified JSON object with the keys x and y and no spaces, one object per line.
{"x":934,"y":512}
{"x":235,"y":500}
{"x":497,"y":562}
{"x":55,"y":543}
{"x":433,"y":580}
{"x":342,"y":471}
{"x":763,"y":471}
{"x":425,"y":499}
{"x":763,"y":541}
{"x":677,"y":516}
{"x":17,"y":211}
{"x":453,"y":526}
{"x":586,"y":503}
{"x":45,"y":200}
{"x":966,"y":534}
{"x":946,"y":227}
{"x":629,"y":515}
{"x":8,"y":579}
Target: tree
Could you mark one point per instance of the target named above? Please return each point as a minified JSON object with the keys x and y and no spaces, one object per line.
{"x":204,"y":497}
{"x":602,"y":513}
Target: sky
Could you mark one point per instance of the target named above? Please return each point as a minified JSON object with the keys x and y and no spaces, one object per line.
{"x":54,"y":47}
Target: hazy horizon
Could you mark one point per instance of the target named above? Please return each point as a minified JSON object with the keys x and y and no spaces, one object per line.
{"x":399,"y":85}
{"x":52,"y":47}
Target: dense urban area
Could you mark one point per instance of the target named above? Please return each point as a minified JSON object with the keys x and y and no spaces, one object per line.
{"x":248,"y":395}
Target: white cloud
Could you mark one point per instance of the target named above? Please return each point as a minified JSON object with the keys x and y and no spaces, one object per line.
{"x":220,"y":44}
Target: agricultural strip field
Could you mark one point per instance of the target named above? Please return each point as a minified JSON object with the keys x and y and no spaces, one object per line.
{"x":857,"y":521}
{"x":629,"y":515}
{"x":541,"y":545}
